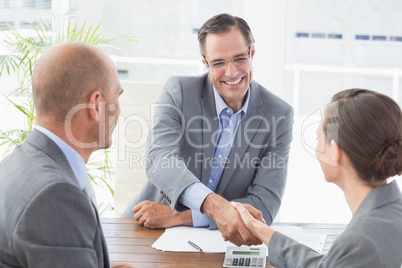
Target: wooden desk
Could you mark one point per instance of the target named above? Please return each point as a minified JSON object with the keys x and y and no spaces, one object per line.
{"x":129,"y":242}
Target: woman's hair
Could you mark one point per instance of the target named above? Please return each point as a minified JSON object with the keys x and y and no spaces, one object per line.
{"x":367,"y":126}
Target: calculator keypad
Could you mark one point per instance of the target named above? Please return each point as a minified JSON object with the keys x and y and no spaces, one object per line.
{"x":245,"y":262}
{"x":245,"y":257}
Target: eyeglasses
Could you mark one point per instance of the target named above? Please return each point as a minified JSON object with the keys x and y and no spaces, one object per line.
{"x":217,"y":65}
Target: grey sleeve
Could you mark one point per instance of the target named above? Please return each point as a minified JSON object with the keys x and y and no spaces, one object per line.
{"x":166,"y":169}
{"x":350,"y":250}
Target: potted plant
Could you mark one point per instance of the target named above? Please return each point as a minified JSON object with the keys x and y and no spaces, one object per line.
{"x":20,"y":61}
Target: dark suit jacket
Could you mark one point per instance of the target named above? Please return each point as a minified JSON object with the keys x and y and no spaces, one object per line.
{"x":45,"y":218}
{"x":373,"y":238}
{"x":180,"y":147}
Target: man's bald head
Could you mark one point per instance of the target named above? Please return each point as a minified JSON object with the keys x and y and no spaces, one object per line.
{"x":65,"y":75}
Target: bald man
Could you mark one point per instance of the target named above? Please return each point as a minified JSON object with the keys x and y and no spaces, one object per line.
{"x":46,"y":217}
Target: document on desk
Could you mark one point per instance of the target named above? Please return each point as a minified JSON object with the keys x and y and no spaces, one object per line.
{"x":211,"y":241}
{"x":176,"y":239}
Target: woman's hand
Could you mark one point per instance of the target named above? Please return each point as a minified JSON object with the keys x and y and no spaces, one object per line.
{"x":253,"y":220}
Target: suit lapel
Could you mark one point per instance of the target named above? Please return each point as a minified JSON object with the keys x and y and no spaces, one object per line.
{"x":252,"y":120}
{"x":106,"y":263}
{"x":210,"y":126}
{"x":90,"y":192}
{"x":93,"y":205}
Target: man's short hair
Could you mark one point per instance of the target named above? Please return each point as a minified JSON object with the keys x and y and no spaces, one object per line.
{"x":224,"y":23}
{"x":60,"y":83}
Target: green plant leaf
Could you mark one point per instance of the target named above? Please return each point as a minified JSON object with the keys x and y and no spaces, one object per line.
{"x":9,"y":63}
{"x":24,"y":52}
{"x":19,"y":107}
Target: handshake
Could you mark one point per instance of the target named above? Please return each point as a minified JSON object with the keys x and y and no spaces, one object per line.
{"x":238,"y":223}
{"x":241,"y":224}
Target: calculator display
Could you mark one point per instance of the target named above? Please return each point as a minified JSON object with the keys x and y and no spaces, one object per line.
{"x":245,"y":252}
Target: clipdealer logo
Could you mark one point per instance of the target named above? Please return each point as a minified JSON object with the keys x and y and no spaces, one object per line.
{"x":309,"y":128}
{"x":180,"y":129}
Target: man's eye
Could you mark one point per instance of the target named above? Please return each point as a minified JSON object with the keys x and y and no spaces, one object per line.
{"x":218,"y":64}
{"x":239,"y":60}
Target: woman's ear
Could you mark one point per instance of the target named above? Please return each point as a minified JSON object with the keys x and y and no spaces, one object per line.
{"x":94,"y":105}
{"x":336,"y":152}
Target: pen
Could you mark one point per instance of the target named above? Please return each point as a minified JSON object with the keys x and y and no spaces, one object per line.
{"x":195,"y":246}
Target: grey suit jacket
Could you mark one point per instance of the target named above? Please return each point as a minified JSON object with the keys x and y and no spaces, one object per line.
{"x":45,"y":218}
{"x":373,"y":238}
{"x":180,"y":147}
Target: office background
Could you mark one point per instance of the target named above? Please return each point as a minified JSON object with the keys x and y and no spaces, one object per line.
{"x":306,"y":50}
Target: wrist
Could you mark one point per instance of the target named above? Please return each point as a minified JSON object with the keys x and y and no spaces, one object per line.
{"x":211,"y":204}
{"x":263,"y":232}
{"x":182,"y":218}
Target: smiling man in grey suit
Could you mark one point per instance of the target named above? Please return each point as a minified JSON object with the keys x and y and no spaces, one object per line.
{"x":46,"y":217}
{"x":217,"y":137}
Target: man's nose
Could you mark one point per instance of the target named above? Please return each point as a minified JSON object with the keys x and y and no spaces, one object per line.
{"x":231,"y":69}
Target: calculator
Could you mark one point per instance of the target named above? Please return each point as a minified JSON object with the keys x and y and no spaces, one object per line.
{"x":245,"y":257}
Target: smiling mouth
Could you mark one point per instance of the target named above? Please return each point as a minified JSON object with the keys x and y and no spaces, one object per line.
{"x":233,"y":82}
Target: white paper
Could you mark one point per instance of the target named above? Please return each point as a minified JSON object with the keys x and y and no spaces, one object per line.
{"x":288,"y":230}
{"x":176,"y":239}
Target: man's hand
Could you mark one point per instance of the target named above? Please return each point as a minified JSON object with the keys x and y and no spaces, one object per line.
{"x":253,"y":211}
{"x":229,"y":221}
{"x":155,"y":215}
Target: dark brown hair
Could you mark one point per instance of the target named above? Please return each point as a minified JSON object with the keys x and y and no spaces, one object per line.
{"x":367,"y":126}
{"x":224,"y":23}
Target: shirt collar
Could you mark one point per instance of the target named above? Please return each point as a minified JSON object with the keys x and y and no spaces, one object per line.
{"x":75,"y":160}
{"x":221,"y":105}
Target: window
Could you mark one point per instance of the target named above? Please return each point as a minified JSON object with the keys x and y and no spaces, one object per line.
{"x":355,"y":54}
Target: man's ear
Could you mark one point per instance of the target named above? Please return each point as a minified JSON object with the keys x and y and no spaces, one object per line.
{"x":94,"y":105}
{"x":252,"y":52}
{"x":204,"y":62}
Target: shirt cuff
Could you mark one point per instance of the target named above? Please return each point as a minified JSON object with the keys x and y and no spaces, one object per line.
{"x":193,"y":197}
{"x":199,"y":219}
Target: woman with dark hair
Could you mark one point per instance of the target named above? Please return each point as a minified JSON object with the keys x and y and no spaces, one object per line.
{"x":359,"y":147}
